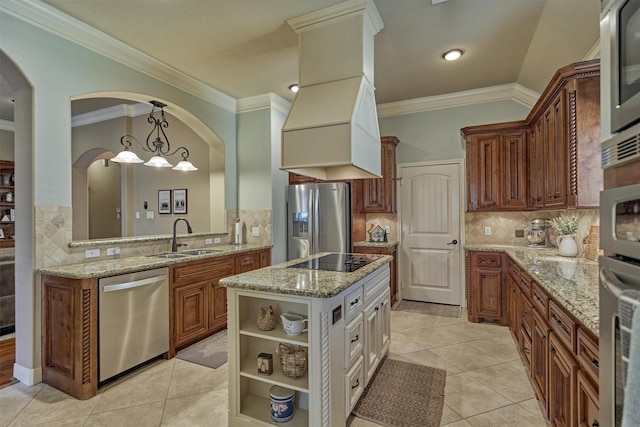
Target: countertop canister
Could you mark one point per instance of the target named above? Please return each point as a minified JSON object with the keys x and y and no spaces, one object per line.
{"x":282,"y":400}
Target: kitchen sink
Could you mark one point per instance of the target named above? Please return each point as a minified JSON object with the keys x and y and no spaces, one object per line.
{"x":200,"y":252}
{"x":169,"y":255}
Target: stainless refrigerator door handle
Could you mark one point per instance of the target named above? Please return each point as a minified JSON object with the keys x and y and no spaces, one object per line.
{"x":316,"y":224}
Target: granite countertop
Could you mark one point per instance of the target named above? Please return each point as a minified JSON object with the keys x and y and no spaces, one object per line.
{"x":115,"y":266}
{"x":573,"y":282}
{"x":368,"y":244}
{"x":280,"y":279}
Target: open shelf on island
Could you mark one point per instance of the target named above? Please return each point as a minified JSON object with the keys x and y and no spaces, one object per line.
{"x":258,"y":408}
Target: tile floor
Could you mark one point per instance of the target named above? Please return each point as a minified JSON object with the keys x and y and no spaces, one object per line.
{"x":486,"y":385}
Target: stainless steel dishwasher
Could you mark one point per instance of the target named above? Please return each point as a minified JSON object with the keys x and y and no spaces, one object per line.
{"x":133,"y":313}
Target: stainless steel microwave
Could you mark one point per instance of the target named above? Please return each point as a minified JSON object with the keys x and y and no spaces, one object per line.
{"x":620,"y":221}
{"x":624,"y":39}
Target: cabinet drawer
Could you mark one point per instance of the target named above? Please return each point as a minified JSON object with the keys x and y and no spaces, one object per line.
{"x":527,"y":317}
{"x":539,"y":299}
{"x":525,"y":348}
{"x":562,"y":325}
{"x":525,"y":282}
{"x":212,"y":269}
{"x":247,"y":262}
{"x":353,"y":341}
{"x":587,"y":352}
{"x":353,"y":303}
{"x":488,"y":260}
{"x":354,"y":385}
{"x":375,"y":288}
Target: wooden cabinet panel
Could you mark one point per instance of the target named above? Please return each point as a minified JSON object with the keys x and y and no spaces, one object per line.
{"x":526,"y":321}
{"x":539,"y":299}
{"x":486,"y":297}
{"x":587,"y":405}
{"x":217,"y":306}
{"x":191,"y":308}
{"x":540,"y":357}
{"x":379,"y":194}
{"x":536,"y":165}
{"x":562,"y":384}
{"x":247,"y":262}
{"x":588,"y":355}
{"x":563,"y":325}
{"x":215,"y":268}
{"x":555,"y":153}
{"x":525,"y":348}
{"x":265,"y":258}
{"x":514,"y":170}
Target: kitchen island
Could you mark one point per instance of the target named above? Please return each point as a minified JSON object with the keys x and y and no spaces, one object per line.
{"x":348,"y":334}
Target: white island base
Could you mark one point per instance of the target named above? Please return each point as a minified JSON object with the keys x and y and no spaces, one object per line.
{"x":348,"y":334}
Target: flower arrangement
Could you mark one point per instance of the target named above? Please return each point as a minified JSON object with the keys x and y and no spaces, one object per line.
{"x":566,"y":224}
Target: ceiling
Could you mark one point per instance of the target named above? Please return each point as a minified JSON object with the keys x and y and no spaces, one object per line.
{"x":246,"y":48}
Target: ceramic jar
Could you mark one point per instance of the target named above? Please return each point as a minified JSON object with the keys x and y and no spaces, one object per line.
{"x":567,"y":245}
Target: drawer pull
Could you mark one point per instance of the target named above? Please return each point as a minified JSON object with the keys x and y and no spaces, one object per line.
{"x":357,"y":384}
{"x":526,"y":350}
{"x":485,"y":261}
{"x":595,"y":423}
{"x":355,"y":301}
{"x":595,"y":363}
{"x":526,"y":314}
{"x":562,"y":325}
{"x":356,"y":338}
{"x":377,"y":308}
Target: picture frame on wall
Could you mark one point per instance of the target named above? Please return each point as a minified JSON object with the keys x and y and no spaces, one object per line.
{"x":164,"y":201}
{"x":180,"y":201}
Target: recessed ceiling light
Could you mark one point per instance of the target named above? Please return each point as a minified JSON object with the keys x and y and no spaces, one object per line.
{"x":294,"y":88}
{"x":453,"y":54}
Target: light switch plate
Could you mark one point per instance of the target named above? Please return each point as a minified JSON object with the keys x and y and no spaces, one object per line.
{"x":255,"y":231}
{"x":149,"y":214}
{"x":208,"y":241}
{"x":216,"y":240}
{"x":487,"y":231}
{"x":113,"y":251}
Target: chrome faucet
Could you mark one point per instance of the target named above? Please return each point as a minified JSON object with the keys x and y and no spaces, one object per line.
{"x":174,"y":244}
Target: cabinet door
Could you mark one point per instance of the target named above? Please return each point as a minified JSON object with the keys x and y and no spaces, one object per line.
{"x":265,"y":258}
{"x":487,"y":173}
{"x":540,"y":357}
{"x":385,"y":324}
{"x":514,"y":170}
{"x":247,"y":262}
{"x":371,"y":340}
{"x":190,"y":311}
{"x":217,"y":306}
{"x":379,"y":194}
{"x":588,"y":408}
{"x":514,"y":307}
{"x":562,"y":382}
{"x":488,"y":294}
{"x":555,"y":154}
{"x":536,"y":165}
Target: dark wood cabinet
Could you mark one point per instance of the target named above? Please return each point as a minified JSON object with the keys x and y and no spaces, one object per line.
{"x":497,"y":168}
{"x":486,"y":287}
{"x":379,"y":194}
{"x":551,"y":159}
{"x":587,"y":405}
{"x":393,"y":266}
{"x":199,"y":302}
{"x":540,"y":357}
{"x":247,"y":262}
{"x":562,"y":384}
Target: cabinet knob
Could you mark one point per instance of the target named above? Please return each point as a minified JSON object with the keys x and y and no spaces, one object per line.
{"x":552,"y":349}
{"x":202,"y":288}
{"x":595,"y":423}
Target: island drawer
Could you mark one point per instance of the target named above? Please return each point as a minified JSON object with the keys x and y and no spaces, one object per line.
{"x":378,"y":282}
{"x":354,"y":385}
{"x":540,"y":299}
{"x":353,"y":303}
{"x":353,"y":341}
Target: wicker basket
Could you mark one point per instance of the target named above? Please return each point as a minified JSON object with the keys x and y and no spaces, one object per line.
{"x":293,"y":360}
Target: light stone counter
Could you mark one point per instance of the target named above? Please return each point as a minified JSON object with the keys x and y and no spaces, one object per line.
{"x":116,"y":266}
{"x":367,"y":244}
{"x":280,"y":279}
{"x":572,"y":281}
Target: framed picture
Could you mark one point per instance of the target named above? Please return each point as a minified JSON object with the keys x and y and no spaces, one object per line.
{"x":164,"y":201}
{"x":180,"y":201}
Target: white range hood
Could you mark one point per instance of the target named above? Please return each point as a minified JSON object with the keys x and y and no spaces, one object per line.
{"x":332,"y":131}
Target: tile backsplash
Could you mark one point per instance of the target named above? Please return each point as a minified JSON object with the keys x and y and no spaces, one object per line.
{"x":504,"y":224}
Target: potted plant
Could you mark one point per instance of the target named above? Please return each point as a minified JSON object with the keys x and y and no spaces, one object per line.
{"x":566,"y":226}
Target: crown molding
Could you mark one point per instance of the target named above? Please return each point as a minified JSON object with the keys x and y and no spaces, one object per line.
{"x":7,"y":125}
{"x":321,"y":17}
{"x":43,"y":16}
{"x":261,"y":102}
{"x":510,"y":91}
{"x":109,"y":113}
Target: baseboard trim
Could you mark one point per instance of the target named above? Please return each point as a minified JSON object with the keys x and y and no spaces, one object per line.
{"x":26,"y":375}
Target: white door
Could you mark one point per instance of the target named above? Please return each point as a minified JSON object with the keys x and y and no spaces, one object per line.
{"x":431,"y":251}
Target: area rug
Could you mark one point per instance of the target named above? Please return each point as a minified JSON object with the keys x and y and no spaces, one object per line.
{"x":428,"y":308}
{"x":211,"y":351}
{"x":403,"y":394}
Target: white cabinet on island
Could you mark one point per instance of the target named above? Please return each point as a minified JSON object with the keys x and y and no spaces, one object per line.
{"x":347,"y":335}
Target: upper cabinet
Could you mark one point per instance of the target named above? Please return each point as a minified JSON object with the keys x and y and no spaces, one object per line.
{"x":550,"y":160}
{"x":379,"y":194}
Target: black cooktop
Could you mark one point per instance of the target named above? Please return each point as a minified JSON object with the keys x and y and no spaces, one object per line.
{"x":338,"y":262}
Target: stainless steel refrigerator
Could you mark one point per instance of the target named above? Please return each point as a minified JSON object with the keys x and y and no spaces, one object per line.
{"x":318,"y":219}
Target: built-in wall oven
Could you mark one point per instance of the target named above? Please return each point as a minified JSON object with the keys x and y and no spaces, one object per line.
{"x":619,"y":273}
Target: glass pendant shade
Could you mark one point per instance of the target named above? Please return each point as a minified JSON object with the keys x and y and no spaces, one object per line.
{"x":158,"y":162}
{"x":127,"y":156}
{"x":184,"y":165}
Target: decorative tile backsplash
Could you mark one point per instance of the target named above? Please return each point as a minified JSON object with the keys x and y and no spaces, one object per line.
{"x":384,"y":221}
{"x":504,"y":224}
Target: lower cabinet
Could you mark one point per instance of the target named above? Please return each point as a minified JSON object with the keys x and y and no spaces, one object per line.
{"x":560,"y":353}
{"x":377,"y":317}
{"x":562,"y":384}
{"x":485,"y":284}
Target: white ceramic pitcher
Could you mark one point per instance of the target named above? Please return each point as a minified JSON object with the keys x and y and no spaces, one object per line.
{"x":293,"y":324}
{"x":567,"y":245}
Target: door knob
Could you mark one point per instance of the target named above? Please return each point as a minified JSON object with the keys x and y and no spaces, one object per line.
{"x":453,"y":242}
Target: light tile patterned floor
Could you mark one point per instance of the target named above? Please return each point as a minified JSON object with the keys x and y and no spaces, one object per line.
{"x":486,"y":386}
